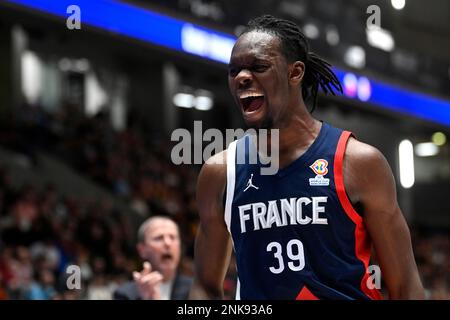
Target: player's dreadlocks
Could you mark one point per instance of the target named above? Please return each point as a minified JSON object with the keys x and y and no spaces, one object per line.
{"x":295,"y":47}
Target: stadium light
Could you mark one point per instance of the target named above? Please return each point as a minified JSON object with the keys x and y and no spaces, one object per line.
{"x":439,"y":138}
{"x":350,"y":82}
{"x":82,"y":65}
{"x":398,"y":4}
{"x":311,"y":30}
{"x":203,"y":103}
{"x":31,"y":73}
{"x":364,"y":89}
{"x":332,"y":35}
{"x":426,"y":149}
{"x":64,"y":64}
{"x":95,"y":95}
{"x":203,"y":100}
{"x":183,"y":100}
{"x":355,"y":57}
{"x":380,"y":38}
{"x":406,"y":161}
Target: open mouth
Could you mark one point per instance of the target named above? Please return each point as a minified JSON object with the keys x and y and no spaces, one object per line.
{"x":252,"y":103}
{"x":166,"y":257}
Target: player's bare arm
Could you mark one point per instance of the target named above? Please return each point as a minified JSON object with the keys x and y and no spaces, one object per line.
{"x":213,"y":243}
{"x":369,"y":181}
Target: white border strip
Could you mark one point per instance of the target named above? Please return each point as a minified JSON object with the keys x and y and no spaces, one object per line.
{"x":231,"y":176}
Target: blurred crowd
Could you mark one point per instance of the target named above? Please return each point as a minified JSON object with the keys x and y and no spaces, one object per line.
{"x":42,"y":231}
{"x":431,"y":250}
{"x":134,"y":163}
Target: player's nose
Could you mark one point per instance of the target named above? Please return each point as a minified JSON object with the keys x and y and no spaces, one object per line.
{"x":244,"y":78}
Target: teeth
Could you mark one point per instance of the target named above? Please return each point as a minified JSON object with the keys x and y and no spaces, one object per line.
{"x":250,"y":94}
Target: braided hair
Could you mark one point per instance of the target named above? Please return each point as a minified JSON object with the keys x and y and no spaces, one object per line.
{"x":295,"y":47}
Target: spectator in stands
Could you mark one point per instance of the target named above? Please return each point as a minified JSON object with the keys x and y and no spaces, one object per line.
{"x":43,"y":287}
{"x":160,"y":247}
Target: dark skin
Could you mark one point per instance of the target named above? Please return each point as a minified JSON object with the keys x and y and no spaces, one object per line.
{"x":258,"y":65}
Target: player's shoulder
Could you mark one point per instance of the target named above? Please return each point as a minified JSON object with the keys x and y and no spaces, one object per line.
{"x":214,"y":171}
{"x":366,"y":171}
{"x":216,"y":165}
{"x":211,"y":181}
{"x":358,"y":152}
{"x":366,"y":162}
{"x":219,"y":159}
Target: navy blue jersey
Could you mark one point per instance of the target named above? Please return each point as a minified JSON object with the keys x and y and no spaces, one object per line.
{"x":295,"y":234}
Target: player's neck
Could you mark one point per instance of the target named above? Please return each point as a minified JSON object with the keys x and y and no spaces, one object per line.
{"x":296,"y":139}
{"x":299,"y":130}
{"x":296,"y":134}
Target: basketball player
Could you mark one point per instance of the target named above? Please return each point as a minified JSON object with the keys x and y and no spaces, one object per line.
{"x":307,"y":231}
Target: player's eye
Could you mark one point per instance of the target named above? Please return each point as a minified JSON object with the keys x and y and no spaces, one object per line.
{"x":233,"y":71}
{"x":260,"y":68}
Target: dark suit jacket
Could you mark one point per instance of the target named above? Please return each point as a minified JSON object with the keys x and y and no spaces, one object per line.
{"x":180,"y":289}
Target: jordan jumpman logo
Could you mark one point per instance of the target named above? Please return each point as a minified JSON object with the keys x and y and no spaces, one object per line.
{"x":250,"y":184}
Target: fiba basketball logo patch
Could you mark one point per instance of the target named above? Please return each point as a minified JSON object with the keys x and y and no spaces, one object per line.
{"x":320,"y":169}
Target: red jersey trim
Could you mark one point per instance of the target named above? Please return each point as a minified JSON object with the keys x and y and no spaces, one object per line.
{"x":305,"y":294}
{"x":362,"y":241}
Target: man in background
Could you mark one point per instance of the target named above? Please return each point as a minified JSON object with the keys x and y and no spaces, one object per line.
{"x":159,"y":247}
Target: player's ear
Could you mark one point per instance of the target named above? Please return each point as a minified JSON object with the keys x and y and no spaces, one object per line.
{"x":140,"y":248}
{"x":296,"y":72}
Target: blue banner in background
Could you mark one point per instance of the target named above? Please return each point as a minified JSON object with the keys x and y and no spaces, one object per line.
{"x":158,"y":29}
{"x":394,"y":98}
{"x":138,"y":23}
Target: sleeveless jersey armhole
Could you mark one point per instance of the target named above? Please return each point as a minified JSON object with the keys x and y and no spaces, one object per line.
{"x":362,"y":243}
{"x":231,"y":179}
